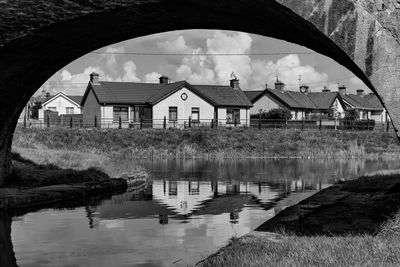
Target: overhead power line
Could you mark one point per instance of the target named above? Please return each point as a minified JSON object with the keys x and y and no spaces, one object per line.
{"x":203,"y":54}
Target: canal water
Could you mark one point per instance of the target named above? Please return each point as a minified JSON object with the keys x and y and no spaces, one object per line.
{"x":190,"y":209}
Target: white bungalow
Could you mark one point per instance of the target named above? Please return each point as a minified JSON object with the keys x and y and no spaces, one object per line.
{"x":62,"y":104}
{"x":109,"y":104}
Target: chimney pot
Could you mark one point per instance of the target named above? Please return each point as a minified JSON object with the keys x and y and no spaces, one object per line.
{"x":325,"y":90}
{"x":235,"y":83}
{"x":164,"y":79}
{"x":342,"y":90}
{"x":279,"y":86}
{"x":360,"y":92}
{"x":94,"y":78}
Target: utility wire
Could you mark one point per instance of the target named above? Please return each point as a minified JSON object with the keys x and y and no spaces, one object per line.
{"x":202,"y":54}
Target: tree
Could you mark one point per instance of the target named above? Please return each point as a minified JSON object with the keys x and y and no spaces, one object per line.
{"x":35,"y":110}
{"x":277,"y":114}
{"x":351,"y":115}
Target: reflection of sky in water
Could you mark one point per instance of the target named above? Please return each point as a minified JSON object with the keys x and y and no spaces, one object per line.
{"x":190,"y":210}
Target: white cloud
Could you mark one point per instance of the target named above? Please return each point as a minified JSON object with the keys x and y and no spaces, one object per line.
{"x":288,"y":70}
{"x":237,"y":43}
{"x":152,"y":77}
{"x":130,"y":72}
{"x":111,"y":59}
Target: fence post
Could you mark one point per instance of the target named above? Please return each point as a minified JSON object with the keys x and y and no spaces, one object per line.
{"x":95,"y":121}
{"x":165,"y":122}
{"x":259,"y":123}
{"x":212,"y":123}
{"x":367,"y":124}
{"x":190,"y":122}
{"x":48,"y":121}
{"x":141,"y":123}
{"x":119,"y":122}
{"x":25,"y":121}
{"x":70,"y":122}
{"x":286,"y":125}
{"x":387,"y":126}
{"x":320,"y":124}
{"x":81,"y":123}
{"x":302,"y":124}
{"x":235,"y":123}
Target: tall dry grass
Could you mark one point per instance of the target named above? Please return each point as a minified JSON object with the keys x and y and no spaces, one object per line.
{"x":211,"y":143}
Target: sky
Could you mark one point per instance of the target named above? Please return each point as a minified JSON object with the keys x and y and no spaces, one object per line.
{"x":253,"y":71}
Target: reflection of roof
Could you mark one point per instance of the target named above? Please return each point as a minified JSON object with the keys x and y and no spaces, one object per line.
{"x":134,"y":209}
{"x":369,"y":102}
{"x":152,"y":93}
{"x":312,"y":100}
{"x":224,"y":204}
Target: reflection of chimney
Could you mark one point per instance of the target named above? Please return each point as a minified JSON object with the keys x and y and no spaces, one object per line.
{"x":279,"y":86}
{"x":94,"y":78}
{"x":360,"y":92}
{"x":164,"y":79}
{"x":342,"y":90}
{"x":325,"y":90}
{"x":235,"y":83}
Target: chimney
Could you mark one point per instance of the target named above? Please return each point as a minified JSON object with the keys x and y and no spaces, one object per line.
{"x":279,"y":86}
{"x":325,"y":90}
{"x":164,"y":79}
{"x":342,"y":89}
{"x":360,"y":92}
{"x":94,"y":78}
{"x":235,"y":83}
{"x":304,"y":89}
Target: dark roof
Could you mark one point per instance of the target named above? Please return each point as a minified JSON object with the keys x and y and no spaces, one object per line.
{"x":224,"y":95}
{"x":323,"y":100}
{"x":361,"y":102}
{"x":253,"y":95}
{"x":76,"y":98}
{"x":298,"y":100}
{"x":374,"y":101}
{"x":152,"y":93}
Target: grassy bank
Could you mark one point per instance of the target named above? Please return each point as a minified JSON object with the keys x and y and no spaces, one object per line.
{"x":355,"y":223}
{"x":210,"y":143}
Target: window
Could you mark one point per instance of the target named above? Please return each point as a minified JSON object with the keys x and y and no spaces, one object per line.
{"x":196,"y":114}
{"x":120,"y":112}
{"x":69,"y":110}
{"x":173,"y":114}
{"x":136,"y":113}
{"x":232,"y":115}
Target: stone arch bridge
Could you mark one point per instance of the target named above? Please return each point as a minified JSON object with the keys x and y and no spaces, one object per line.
{"x":38,"y":37}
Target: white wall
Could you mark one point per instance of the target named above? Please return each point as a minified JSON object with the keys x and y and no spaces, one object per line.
{"x":161,"y":109}
{"x":244,"y":117}
{"x":61,"y":103}
{"x":265,"y":104}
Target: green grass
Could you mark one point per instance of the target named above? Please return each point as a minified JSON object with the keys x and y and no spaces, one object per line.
{"x":210,"y":143}
{"x":263,"y":249}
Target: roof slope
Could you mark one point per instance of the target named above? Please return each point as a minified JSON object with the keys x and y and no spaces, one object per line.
{"x":374,"y":101}
{"x":253,"y":95}
{"x":298,"y":100}
{"x":76,"y":98}
{"x":361,"y":102}
{"x":224,"y":95}
{"x":323,"y":100}
{"x":152,"y":93}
